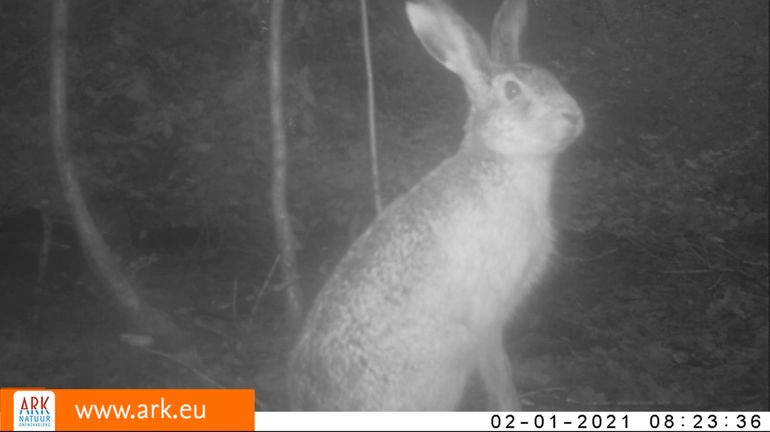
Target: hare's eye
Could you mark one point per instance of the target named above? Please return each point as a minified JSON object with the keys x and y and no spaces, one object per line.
{"x":512,"y":89}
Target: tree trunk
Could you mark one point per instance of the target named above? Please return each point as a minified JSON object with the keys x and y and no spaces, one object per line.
{"x":283,"y":232}
{"x":98,"y":256}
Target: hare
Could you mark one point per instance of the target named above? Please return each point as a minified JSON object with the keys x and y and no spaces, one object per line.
{"x":418,"y":304}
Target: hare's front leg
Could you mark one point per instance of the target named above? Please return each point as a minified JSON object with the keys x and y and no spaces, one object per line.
{"x":495,"y":370}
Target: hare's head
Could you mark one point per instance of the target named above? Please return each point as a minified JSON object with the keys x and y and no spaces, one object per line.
{"x":517,"y":109}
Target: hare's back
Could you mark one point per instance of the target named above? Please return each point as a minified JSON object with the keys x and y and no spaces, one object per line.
{"x":463,"y":218}
{"x":401,"y":258}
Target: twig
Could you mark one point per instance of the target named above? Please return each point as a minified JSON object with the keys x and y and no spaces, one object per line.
{"x":192,"y":369}
{"x":234,"y":299}
{"x":262,"y":290}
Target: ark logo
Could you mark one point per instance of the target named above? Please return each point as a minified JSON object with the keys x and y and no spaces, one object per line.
{"x":34,"y":410}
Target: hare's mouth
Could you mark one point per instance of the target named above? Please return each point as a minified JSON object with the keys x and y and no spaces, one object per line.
{"x":575,"y":122}
{"x":573,"y":118}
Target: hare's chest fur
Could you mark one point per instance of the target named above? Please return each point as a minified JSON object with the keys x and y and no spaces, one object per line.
{"x":496,"y":238}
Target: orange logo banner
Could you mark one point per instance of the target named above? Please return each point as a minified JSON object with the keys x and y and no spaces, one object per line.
{"x":115,"y":410}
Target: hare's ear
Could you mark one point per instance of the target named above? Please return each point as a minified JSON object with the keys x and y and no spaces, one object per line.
{"x":506,"y":31}
{"x":452,"y":42}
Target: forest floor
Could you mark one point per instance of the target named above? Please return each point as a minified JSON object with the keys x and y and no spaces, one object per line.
{"x":616,"y":325}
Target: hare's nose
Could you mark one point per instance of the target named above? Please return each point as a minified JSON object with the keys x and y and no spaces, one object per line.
{"x":572,"y":118}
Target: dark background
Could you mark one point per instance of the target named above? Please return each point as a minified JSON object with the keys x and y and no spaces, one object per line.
{"x":657,"y":298}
